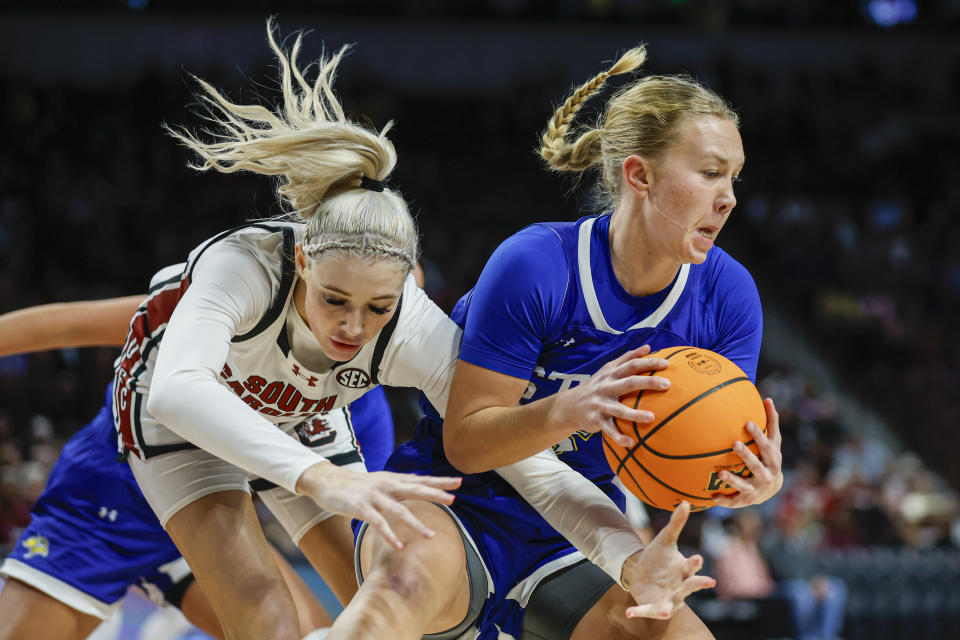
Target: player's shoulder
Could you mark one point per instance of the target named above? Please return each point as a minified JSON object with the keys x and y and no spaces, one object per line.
{"x":259,"y":250}
{"x":723,"y":273}
{"x":268,"y":239}
{"x":537,"y":252}
{"x":548,"y":235}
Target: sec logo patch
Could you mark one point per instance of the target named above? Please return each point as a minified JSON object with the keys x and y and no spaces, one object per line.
{"x":353,"y":378}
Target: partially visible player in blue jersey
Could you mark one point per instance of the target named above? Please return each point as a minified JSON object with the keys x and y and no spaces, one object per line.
{"x":92,"y":534}
{"x":556,"y":330}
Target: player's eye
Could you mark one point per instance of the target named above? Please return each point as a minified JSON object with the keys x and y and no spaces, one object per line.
{"x":379,"y":310}
{"x":334,"y":301}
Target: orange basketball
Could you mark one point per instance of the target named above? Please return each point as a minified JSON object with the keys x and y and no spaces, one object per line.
{"x":696,"y":421}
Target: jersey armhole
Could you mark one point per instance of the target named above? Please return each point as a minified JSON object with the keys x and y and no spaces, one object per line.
{"x":287,"y":277}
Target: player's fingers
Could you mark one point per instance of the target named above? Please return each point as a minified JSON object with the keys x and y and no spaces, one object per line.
{"x":750,"y":459}
{"x":659,"y":610}
{"x":392,"y":509}
{"x":731,"y":501}
{"x":628,"y":415}
{"x":438,"y":482}
{"x":412,"y":491}
{"x":691,"y":565}
{"x":613,"y":432}
{"x":640,"y":365}
{"x":696,"y":583}
{"x":631,"y":384}
{"x":773,"y":422}
{"x":381,"y":526}
{"x":678,"y":518}
{"x":633,"y":353}
{"x":769,"y":450}
{"x":388,"y":480}
{"x":743,"y":485}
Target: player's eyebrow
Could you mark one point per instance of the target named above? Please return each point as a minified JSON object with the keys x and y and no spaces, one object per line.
{"x":722,"y":159}
{"x":386,"y":296}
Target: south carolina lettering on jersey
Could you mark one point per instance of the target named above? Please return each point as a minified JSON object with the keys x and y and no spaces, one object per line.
{"x":276,"y":398}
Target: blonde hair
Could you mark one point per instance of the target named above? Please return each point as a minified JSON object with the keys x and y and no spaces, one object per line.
{"x":640,"y":119}
{"x":319,"y":156}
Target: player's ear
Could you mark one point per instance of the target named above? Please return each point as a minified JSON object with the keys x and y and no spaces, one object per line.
{"x":300,"y":259}
{"x":636,"y":174}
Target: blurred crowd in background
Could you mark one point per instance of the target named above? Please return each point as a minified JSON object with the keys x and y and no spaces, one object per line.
{"x":847,"y":217}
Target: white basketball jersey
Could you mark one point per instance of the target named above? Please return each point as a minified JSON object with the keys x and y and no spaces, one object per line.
{"x":416,"y":348}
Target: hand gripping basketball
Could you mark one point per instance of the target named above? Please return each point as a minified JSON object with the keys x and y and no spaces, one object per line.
{"x":766,"y":475}
{"x":660,"y":577}
{"x":595,"y":404}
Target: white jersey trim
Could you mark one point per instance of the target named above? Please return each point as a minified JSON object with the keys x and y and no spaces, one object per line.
{"x":58,"y":590}
{"x":522,"y":591}
{"x":590,"y":293}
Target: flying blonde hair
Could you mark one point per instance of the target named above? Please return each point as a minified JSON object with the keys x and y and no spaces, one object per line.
{"x":641,"y":118}
{"x":319,"y":156}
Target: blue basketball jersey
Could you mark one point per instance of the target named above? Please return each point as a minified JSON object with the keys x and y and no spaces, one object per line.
{"x":549,"y":309}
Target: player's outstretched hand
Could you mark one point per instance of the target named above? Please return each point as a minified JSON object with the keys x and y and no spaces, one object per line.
{"x":660,"y":577}
{"x":592,"y":405}
{"x":375,"y":497}
{"x":766,"y":475}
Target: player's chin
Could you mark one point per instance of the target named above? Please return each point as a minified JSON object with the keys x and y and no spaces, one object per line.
{"x":695,"y":256}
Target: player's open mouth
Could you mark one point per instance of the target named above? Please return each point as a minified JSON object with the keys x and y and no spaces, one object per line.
{"x":706,"y":232}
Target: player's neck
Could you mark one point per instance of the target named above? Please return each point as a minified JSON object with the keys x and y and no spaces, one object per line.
{"x":640,"y":269}
{"x":300,"y":300}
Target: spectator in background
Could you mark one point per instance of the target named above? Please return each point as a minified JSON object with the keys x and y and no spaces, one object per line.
{"x":817,"y":604}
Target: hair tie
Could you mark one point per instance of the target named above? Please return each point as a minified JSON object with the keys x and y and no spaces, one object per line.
{"x":372,"y":185}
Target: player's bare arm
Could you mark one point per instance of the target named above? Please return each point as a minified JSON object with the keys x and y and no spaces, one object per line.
{"x":486,"y":428}
{"x":86,"y":323}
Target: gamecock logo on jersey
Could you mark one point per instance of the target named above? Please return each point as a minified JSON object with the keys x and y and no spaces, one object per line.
{"x":316,"y":432}
{"x":353,"y":378}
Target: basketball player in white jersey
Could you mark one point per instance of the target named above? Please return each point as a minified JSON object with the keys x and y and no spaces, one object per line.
{"x":91,"y":534}
{"x":270,"y":323}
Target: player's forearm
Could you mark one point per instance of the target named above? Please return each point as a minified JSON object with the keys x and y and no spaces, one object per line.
{"x":192,"y":404}
{"x":70,"y":324}
{"x":499,"y":436}
{"x":578,"y":509}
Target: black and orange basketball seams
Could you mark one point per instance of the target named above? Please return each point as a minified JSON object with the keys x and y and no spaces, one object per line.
{"x":679,"y":456}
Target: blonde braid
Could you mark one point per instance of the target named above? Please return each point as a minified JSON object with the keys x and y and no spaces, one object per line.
{"x":585,"y":151}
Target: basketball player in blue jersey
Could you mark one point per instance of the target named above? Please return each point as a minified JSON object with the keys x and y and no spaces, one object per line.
{"x":92,"y":533}
{"x":556,"y":330}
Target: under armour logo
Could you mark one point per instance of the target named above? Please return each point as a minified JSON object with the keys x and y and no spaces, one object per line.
{"x":107,"y":514}
{"x":311,"y":380}
{"x":568,"y":342}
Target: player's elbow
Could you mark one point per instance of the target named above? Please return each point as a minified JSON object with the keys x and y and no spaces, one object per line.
{"x":161,"y":401}
{"x":168,"y":397}
{"x":460,"y":452}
